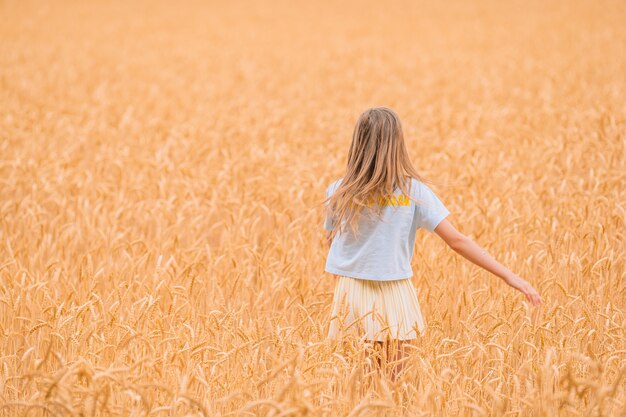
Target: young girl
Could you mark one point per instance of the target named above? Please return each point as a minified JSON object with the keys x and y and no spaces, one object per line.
{"x":372,"y":216}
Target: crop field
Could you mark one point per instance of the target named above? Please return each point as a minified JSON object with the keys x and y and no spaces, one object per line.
{"x":162,"y":175}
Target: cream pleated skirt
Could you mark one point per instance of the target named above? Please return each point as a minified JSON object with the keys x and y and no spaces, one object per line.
{"x":375,"y":310}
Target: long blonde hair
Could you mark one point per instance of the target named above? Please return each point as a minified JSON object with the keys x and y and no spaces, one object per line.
{"x":378,"y":163}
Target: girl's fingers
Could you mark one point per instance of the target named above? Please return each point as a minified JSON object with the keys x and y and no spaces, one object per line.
{"x":532,"y":295}
{"x":534,"y":298}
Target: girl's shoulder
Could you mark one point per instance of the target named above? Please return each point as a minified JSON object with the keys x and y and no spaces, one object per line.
{"x":418,"y":188}
{"x":333,"y":186}
{"x":414,"y":184}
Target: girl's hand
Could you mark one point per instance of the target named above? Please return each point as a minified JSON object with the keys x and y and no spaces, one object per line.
{"x":470,"y":250}
{"x":524,"y":286}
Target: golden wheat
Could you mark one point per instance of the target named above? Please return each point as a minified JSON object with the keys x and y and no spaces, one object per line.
{"x":161,"y":170}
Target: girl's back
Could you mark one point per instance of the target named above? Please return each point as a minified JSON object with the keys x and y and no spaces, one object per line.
{"x":382,"y":246}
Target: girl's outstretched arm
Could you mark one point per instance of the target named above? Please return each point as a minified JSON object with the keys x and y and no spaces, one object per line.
{"x":470,"y":250}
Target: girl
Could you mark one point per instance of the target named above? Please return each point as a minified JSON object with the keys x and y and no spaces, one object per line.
{"x":372,"y":216}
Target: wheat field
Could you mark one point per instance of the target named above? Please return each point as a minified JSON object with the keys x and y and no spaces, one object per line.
{"x":162,"y":167}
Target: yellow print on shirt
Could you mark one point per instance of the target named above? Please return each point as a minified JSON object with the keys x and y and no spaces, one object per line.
{"x":394,"y":200}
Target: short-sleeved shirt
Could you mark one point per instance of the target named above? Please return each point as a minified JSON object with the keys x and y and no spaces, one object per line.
{"x":382,"y":248}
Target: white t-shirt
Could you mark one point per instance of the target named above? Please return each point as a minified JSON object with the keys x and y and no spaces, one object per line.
{"x":382,"y":249}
